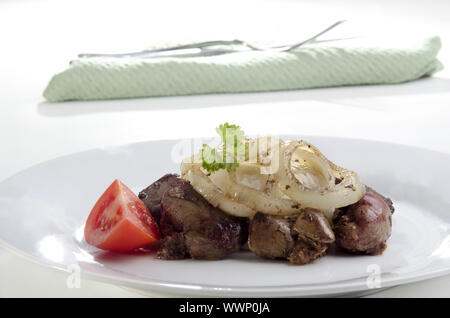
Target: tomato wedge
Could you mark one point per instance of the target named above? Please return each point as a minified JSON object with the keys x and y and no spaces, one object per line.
{"x":120,"y":221}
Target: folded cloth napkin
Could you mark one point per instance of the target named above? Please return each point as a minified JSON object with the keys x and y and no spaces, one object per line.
{"x":250,"y":71}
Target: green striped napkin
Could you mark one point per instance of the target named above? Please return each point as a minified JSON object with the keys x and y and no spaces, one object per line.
{"x":250,"y":71}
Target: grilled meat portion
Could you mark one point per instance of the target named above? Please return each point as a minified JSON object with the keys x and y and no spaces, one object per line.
{"x":191,"y":227}
{"x":365,"y":226}
{"x":173,"y":247}
{"x":313,"y":225}
{"x":300,"y":239}
{"x":152,"y":195}
{"x":270,"y":236}
{"x":388,"y":201}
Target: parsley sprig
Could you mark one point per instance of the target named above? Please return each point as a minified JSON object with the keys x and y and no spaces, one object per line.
{"x":228,"y":153}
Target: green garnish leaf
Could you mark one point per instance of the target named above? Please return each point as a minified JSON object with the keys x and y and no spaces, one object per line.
{"x":228,"y":153}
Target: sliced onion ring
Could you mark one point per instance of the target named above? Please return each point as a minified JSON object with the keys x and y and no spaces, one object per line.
{"x":266,"y":201}
{"x":203,"y":185}
{"x":348,"y":191}
{"x":303,"y":178}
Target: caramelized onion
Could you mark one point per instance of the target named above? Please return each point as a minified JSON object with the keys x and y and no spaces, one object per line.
{"x":323,"y":193}
{"x":265,"y":197}
{"x":203,"y":185}
{"x":280,"y":178}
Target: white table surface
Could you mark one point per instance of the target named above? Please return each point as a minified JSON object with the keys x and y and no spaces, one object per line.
{"x":38,"y":38}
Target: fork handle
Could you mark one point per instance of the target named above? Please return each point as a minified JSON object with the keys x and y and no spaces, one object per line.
{"x":198,"y":45}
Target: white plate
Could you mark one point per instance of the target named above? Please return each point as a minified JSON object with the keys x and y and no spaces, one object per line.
{"x":43,"y":209}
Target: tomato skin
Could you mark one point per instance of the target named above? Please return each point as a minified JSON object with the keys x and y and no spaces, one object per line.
{"x":120,"y":221}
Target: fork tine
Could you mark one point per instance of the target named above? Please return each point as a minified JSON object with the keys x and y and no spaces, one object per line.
{"x":315,"y":36}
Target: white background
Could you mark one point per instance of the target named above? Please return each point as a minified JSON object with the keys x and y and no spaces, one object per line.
{"x":39,"y":38}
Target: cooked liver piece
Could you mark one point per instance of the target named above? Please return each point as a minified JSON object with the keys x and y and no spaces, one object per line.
{"x":365,"y":226}
{"x":300,"y":239}
{"x":172,"y":247}
{"x":270,"y":236}
{"x":152,"y":195}
{"x":189,"y":221}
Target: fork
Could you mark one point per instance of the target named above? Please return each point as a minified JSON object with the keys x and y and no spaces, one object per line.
{"x":202,"y":48}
